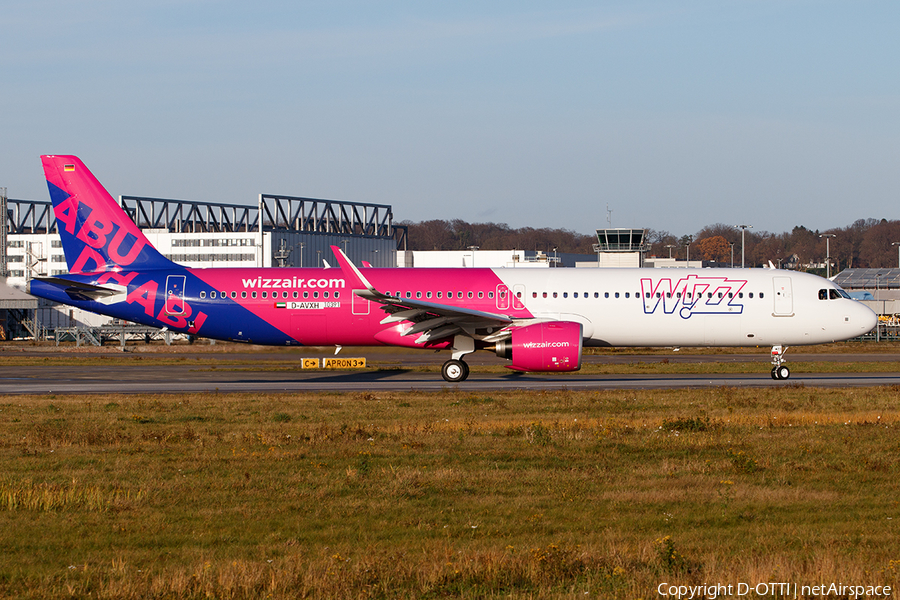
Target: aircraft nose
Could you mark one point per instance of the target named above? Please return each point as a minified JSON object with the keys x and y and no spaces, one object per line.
{"x":866,"y":318}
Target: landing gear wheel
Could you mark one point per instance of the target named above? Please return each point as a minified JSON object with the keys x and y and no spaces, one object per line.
{"x":780,"y":373}
{"x":455,"y":371}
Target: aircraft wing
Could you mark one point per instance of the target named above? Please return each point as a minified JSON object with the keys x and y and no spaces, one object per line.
{"x":429,"y":319}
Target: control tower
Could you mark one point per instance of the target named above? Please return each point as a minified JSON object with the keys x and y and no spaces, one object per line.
{"x":621,"y":247}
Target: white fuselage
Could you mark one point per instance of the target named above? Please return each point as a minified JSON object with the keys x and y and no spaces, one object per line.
{"x":681,"y":307}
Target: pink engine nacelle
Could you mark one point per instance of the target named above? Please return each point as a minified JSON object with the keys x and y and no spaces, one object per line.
{"x":552,"y":346}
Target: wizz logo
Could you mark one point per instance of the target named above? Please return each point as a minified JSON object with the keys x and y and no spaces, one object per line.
{"x":693,"y":295}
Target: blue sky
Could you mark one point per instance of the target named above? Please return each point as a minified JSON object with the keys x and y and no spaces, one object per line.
{"x":675,"y":114}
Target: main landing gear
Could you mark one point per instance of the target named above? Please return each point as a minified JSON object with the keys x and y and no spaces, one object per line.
{"x":779,"y":371}
{"x":455,"y":370}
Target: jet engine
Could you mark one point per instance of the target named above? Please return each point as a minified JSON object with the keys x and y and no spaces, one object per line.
{"x":549,"y":346}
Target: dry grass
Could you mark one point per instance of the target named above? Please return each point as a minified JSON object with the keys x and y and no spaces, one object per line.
{"x":521,"y":495}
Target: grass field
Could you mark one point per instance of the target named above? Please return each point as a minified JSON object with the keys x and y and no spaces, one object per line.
{"x":521,"y":495}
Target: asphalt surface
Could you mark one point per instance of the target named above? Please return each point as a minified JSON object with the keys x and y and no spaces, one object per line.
{"x":211,"y":372}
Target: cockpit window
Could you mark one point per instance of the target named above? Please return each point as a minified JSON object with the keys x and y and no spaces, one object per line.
{"x":823,"y":294}
{"x":833,"y":294}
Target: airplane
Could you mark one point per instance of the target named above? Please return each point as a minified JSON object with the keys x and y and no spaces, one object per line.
{"x":538,"y":319}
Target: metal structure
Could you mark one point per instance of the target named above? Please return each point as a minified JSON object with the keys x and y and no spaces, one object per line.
{"x":184,"y":216}
{"x":868,"y":279}
{"x":29,"y":216}
{"x":4,"y":271}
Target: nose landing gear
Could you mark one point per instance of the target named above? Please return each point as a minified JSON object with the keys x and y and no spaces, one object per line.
{"x":779,"y":371}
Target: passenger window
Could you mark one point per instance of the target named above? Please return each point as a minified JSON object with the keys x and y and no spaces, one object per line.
{"x":440,"y":294}
{"x":481,"y":295}
{"x":617,"y":294}
{"x":761,"y":295}
{"x":627,"y":294}
{"x":565,"y":294}
{"x":647,"y":295}
{"x":234,"y":294}
{"x":283,"y":295}
{"x":469,"y":295}
{"x":324,"y":294}
{"x":575,"y":294}
{"x":491,"y":295}
{"x":428,"y":295}
{"x":419,"y":295}
{"x":750,"y":295}
{"x":212,"y":295}
{"x":554,"y":294}
{"x":409,"y":294}
{"x":203,"y":294}
{"x":606,"y":294}
{"x":224,"y":294}
{"x":253,"y":295}
{"x":545,"y":294}
{"x":740,"y":294}
{"x":305,"y":295}
{"x":459,"y":295}
{"x":336,"y":294}
{"x":296,"y":294}
{"x":534,"y":294}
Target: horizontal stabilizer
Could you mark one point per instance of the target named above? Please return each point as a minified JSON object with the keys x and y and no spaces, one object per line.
{"x":77,"y":290}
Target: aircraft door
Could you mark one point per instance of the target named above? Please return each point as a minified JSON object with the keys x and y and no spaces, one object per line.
{"x":360,"y":305}
{"x":518,"y":296}
{"x":175,"y":294}
{"x":502,"y":297}
{"x":784,"y":298}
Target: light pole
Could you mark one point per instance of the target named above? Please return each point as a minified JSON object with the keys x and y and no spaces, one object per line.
{"x":743,"y":228}
{"x":878,"y":322}
{"x":827,"y":237}
{"x":898,"y":251}
{"x":301,"y":253}
{"x":690,"y":239}
{"x":473,"y":249}
{"x":732,"y":255}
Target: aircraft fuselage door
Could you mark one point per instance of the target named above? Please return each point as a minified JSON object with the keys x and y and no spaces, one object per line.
{"x":360,"y":306}
{"x":784,"y":298}
{"x":175,"y":294}
{"x":502,"y":297}
{"x":518,"y":296}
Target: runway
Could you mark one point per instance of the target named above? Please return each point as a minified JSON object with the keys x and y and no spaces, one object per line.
{"x":184,"y":379}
